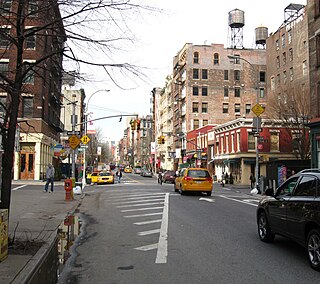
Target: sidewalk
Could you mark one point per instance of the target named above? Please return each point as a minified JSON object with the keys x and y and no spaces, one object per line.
{"x":34,"y":215}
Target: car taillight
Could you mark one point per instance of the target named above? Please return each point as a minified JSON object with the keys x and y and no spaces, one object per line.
{"x":188,"y":178}
{"x":209,"y":179}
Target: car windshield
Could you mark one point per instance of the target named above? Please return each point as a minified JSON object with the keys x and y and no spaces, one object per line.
{"x":198,"y":174}
{"x":105,"y":174}
{"x":170,"y":173}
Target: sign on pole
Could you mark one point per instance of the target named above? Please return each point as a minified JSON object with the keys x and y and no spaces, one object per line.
{"x":74,"y":141}
{"x":258,"y":109}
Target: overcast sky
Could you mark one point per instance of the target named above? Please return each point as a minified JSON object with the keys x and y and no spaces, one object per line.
{"x":160,"y":37}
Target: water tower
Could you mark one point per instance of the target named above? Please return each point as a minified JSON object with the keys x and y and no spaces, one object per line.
{"x":261,"y":34}
{"x":236,"y":23}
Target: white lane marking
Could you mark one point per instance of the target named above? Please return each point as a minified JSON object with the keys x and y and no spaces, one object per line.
{"x":128,"y":195}
{"x":21,"y":186}
{"x":141,"y":204}
{"x":137,"y":201}
{"x":148,"y":222}
{"x":237,"y":200}
{"x":251,"y":200}
{"x":143,"y":215}
{"x":150,"y":232}
{"x":141,"y":209}
{"x":147,"y":247}
{"x":162,"y":251}
{"x":206,"y":199}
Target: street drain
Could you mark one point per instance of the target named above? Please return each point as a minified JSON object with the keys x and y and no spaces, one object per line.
{"x":125,"y":267}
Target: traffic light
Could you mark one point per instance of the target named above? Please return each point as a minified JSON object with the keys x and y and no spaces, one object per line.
{"x":159,"y":140}
{"x":133,"y":124}
{"x":162,"y":139}
{"x":138,"y":124}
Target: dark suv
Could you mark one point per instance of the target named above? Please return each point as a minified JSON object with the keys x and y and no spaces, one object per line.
{"x":293,"y":211}
{"x":169,"y":177}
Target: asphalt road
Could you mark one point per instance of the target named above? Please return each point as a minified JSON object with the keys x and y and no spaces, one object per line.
{"x":141,"y":232}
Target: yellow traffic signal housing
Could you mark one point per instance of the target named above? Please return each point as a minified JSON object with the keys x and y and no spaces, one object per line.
{"x":159,"y":140}
{"x":162,"y":139}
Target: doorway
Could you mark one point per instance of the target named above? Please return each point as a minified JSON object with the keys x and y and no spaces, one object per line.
{"x":26,"y":165}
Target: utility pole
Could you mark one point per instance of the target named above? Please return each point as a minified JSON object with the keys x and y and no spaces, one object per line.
{"x":73,"y":133}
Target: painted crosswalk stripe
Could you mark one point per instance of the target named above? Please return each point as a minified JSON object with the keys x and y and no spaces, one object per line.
{"x":141,"y":209}
{"x":142,"y":215}
{"x":147,"y":247}
{"x":162,"y":251}
{"x":150,"y":232}
{"x":147,"y":222}
{"x":142,"y":204}
{"x":137,"y":201}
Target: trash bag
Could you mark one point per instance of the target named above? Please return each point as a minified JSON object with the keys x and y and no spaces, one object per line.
{"x":77,"y":190}
{"x":254,"y":191}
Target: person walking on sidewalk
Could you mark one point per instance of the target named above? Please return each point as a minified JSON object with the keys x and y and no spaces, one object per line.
{"x":49,"y":177}
{"x":119,"y":175}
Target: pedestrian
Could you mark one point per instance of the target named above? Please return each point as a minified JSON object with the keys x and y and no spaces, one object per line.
{"x":222,"y":179}
{"x":160,"y":177}
{"x":49,"y":178}
{"x":252,"y":181}
{"x":119,"y":175}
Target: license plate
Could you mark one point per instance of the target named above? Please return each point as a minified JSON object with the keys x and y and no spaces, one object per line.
{"x":198,"y":181}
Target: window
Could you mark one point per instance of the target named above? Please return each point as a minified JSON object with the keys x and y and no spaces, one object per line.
{"x":278,"y":79}
{"x":204,"y":107}
{"x":261,"y":93}
{"x":289,"y":36}
{"x":30,"y":42}
{"x":237,"y":92}
{"x":195,"y":124}
{"x":216,"y":59}
{"x":304,"y":68}
{"x":278,"y":61}
{"x":306,"y":187}
{"x":290,"y":54}
{"x":33,"y":7}
{"x":283,"y":40}
{"x":2,"y":105}
{"x":287,"y":187}
{"x":317,"y":9}
{"x":195,"y":74}
{"x":29,"y":76}
{"x":237,"y":75}
{"x":196,"y":57}
{"x":204,"y":91}
{"x":284,"y":76}
{"x":226,"y":75}
{"x":204,"y":74}
{"x":284,"y":58}
{"x":237,"y":59}
{"x":205,"y":122}
{"x":238,"y":141}
{"x":4,"y":69}
{"x":291,"y":74}
{"x":195,"y":107}
{"x":277,"y":44}
{"x":225,"y":108}
{"x":5,"y":7}
{"x":262,"y":76}
{"x":226,"y":91}
{"x":4,"y":37}
{"x":318,"y":49}
{"x":274,"y":141}
{"x":251,"y":141}
{"x":237,"y":108}
{"x":272,"y":83}
{"x":27,"y":107}
{"x":248,"y":108}
{"x":195,"y":90}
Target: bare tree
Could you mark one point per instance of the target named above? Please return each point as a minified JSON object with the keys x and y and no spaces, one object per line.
{"x":292,"y":107}
{"x":82,"y":32}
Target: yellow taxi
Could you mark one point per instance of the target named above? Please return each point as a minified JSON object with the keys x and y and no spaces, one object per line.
{"x":193,"y":179}
{"x":105,"y":177}
{"x":127,"y":170}
{"x":94,"y":177}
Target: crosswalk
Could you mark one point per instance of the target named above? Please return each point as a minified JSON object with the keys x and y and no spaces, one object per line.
{"x":145,"y":209}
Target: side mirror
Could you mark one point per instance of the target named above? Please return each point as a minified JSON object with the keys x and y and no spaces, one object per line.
{"x":269,"y":192}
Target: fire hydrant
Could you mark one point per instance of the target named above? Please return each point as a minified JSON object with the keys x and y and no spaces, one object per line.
{"x":68,"y":187}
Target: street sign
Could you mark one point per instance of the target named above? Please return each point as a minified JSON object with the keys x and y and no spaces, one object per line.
{"x":85,"y":139}
{"x":74,"y":141}
{"x":258,"y":109}
{"x":76,"y":133}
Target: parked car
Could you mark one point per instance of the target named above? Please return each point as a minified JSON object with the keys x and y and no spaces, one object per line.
{"x":169,"y":176}
{"x":137,"y":170}
{"x":105,"y":177}
{"x":146,"y":173}
{"x":293,"y":211}
{"x":193,"y":179}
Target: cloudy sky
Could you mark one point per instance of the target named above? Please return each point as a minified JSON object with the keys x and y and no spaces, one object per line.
{"x":161,"y":36}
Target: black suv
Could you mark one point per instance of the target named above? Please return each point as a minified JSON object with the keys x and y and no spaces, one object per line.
{"x":293,"y":211}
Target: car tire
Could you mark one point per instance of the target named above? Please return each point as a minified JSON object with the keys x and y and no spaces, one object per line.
{"x":264,"y":230}
{"x":182,"y":192}
{"x":209,"y":193}
{"x":175,"y":189}
{"x":313,"y":248}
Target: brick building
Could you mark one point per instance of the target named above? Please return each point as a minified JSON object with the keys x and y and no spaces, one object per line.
{"x":40,"y":97}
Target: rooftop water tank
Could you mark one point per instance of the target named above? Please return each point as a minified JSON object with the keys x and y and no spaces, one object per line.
{"x":236,"y":18}
{"x":261,"y":35}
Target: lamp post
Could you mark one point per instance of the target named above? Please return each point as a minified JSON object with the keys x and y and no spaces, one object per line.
{"x":85,"y":133}
{"x":256,"y":121}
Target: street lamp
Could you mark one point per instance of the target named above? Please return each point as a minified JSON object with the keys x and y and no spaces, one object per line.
{"x":85,"y":133}
{"x":256,"y":121}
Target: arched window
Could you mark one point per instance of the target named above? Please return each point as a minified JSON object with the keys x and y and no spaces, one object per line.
{"x":216,"y":58}
{"x":196,"y":57}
